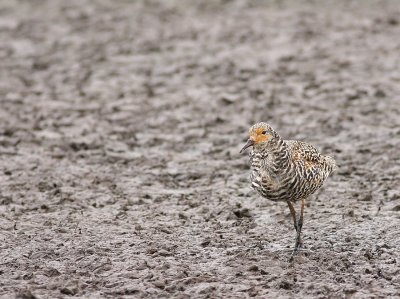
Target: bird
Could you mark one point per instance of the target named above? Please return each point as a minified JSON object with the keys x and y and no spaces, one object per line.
{"x":286,"y":171}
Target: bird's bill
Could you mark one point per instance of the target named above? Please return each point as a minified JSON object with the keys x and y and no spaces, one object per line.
{"x":248,"y":144}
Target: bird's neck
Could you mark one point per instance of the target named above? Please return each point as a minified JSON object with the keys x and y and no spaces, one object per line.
{"x":277,"y":152}
{"x":279,"y":149}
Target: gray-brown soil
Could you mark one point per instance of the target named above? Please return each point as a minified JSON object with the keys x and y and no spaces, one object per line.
{"x":121,"y":125}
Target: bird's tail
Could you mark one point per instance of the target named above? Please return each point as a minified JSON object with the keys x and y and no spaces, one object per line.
{"x":331,"y":163}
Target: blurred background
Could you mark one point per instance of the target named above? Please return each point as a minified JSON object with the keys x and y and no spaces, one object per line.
{"x":120,"y":129}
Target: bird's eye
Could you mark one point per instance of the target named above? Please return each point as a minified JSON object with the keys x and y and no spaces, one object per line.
{"x":264,"y":132}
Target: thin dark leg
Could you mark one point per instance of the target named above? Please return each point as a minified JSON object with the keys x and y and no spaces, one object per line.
{"x":299,"y":243}
{"x":300,"y":225}
{"x":293,"y":213}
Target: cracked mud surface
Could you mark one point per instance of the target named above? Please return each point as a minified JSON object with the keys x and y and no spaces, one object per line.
{"x":121,"y":125}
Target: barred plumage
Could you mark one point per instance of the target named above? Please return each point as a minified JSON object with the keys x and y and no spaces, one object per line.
{"x":286,"y":170}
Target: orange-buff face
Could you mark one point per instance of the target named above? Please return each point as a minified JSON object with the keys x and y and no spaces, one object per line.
{"x":258,"y":136}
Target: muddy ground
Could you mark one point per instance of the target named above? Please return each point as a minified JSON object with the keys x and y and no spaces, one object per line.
{"x":121,"y":125}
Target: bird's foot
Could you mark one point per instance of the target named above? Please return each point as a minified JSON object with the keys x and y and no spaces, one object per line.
{"x":294,"y":252}
{"x":259,"y":245}
{"x":298,"y":247}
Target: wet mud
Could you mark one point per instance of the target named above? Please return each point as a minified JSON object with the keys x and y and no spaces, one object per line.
{"x":121,"y":125}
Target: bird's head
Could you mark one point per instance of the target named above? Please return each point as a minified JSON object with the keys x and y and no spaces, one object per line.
{"x":260,"y":135}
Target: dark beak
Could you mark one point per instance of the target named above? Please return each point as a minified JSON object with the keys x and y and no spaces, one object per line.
{"x":248,"y":144}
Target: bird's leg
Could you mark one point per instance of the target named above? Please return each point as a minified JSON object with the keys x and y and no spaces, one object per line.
{"x":298,"y":225}
{"x":293,"y":213}
{"x":299,"y":243}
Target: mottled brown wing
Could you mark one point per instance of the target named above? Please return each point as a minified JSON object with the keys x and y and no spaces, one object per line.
{"x":308,"y":158}
{"x":304,"y":151}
